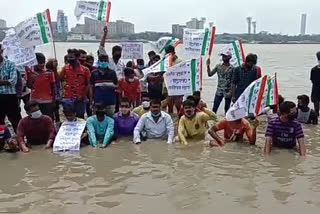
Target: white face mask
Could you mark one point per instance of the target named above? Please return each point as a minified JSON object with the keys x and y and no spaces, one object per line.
{"x":36,"y":114}
{"x":146,"y":104}
{"x":130,"y":80}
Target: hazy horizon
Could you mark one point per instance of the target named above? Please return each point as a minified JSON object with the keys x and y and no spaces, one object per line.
{"x":229,"y":18}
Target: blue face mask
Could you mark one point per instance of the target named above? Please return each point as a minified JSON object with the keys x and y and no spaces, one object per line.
{"x":103,"y":64}
{"x":141,"y":67}
{"x":155,"y":114}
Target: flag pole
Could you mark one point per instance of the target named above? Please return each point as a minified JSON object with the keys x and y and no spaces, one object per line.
{"x":52,"y":34}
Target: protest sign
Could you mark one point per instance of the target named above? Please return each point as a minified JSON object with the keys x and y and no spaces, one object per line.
{"x":69,"y":136}
{"x":258,"y":95}
{"x":164,"y":42}
{"x":160,"y":66}
{"x":36,"y":30}
{"x":94,"y":10}
{"x":21,"y":56}
{"x":236,"y":50}
{"x":132,"y":50}
{"x":184,"y":78}
{"x":199,"y":42}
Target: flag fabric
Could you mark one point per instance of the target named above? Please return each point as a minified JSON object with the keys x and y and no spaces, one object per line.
{"x":236,"y":50}
{"x":184,"y":78}
{"x":258,"y":95}
{"x":95,"y":10}
{"x":199,"y":42}
{"x":164,"y":42}
{"x":36,"y":30}
{"x":160,"y":66}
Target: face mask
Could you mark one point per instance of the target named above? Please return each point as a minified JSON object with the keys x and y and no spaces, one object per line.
{"x":100,"y":113}
{"x":156,"y":114}
{"x":141,"y":67}
{"x":131,"y":80}
{"x":103,"y":64}
{"x":36,"y":114}
{"x":291,"y":117}
{"x":146,"y":104}
{"x":124,"y":111}
{"x":72,"y":61}
{"x":189,"y":114}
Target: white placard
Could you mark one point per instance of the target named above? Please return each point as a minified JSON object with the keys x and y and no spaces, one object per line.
{"x":132,"y":50}
{"x":69,"y":136}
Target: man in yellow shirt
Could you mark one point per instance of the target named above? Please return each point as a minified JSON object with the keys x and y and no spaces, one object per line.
{"x":193,"y":124}
{"x":145,"y":105}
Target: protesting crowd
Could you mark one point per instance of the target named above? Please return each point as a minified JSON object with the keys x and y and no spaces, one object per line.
{"x":119,"y":100}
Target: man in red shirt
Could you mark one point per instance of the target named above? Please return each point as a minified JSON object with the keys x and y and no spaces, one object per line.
{"x":36,"y":128}
{"x":129,"y":87}
{"x":75,"y":79}
{"x":42,"y":85}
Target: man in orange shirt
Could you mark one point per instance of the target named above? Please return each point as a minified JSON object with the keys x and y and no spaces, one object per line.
{"x":75,"y":79}
{"x":233,"y":131}
{"x":42,"y":85}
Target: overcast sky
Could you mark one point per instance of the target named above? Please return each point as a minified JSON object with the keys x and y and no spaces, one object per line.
{"x":276,"y":16}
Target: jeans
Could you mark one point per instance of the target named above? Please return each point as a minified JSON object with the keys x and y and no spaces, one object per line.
{"x":80,"y":106}
{"x":10,"y":107}
{"x":217,"y":100}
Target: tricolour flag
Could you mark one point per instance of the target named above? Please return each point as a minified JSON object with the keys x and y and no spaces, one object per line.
{"x":95,"y":10}
{"x":258,"y":95}
{"x":236,"y":50}
{"x":160,"y":66}
{"x":184,"y":78}
{"x":199,"y":42}
{"x":36,"y":30}
{"x":164,"y":42}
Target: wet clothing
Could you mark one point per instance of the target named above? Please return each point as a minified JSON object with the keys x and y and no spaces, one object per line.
{"x":100,"y":131}
{"x":307,"y":116}
{"x":124,"y":126}
{"x":234,"y":133}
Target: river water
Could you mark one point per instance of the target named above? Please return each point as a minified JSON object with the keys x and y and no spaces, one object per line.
{"x":159,"y":178}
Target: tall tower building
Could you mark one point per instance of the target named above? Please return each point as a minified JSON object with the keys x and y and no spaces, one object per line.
{"x":303,"y":26}
{"x":254,"y":25}
{"x":249,"y":20}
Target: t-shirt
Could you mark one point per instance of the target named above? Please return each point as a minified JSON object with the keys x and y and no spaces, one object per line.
{"x":101,"y":83}
{"x":284,"y":135}
{"x":75,"y":81}
{"x":130,"y":90}
{"x":41,"y":90}
{"x":140,"y":111}
{"x":243,"y":78}
{"x":4,"y":133}
{"x":234,"y":133}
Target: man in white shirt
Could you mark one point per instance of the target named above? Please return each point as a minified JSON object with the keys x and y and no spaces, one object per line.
{"x":115,"y":62}
{"x":154,"y":124}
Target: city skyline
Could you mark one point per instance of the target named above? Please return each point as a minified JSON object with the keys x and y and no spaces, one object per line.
{"x":269,"y":14}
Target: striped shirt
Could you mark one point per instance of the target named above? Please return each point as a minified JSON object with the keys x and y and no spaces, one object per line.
{"x":284,"y":135}
{"x":8,"y":72}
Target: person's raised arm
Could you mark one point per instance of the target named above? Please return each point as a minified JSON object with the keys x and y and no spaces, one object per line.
{"x":302,"y":147}
{"x":209,"y":115}
{"x":104,"y":37}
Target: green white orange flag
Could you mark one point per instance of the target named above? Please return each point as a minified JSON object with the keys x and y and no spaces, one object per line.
{"x":236,"y":50}
{"x":95,"y":10}
{"x":160,"y":66}
{"x":36,"y":30}
{"x":184,"y":78}
{"x":199,"y":42}
{"x":258,"y":95}
{"x":164,"y":42}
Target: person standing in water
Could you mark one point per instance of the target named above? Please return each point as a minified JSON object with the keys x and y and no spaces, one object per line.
{"x":315,"y":79}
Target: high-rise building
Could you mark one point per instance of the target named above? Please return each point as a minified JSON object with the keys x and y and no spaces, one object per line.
{"x":194,"y":23}
{"x":177,"y":30}
{"x":249,"y":20}
{"x":3,"y":23}
{"x":62,"y":23}
{"x":254,"y":25}
{"x":303,"y":26}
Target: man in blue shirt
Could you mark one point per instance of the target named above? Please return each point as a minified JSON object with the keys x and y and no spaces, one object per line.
{"x":104,"y":82}
{"x":8,"y":97}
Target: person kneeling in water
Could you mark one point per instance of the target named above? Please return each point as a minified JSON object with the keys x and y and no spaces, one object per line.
{"x":233,"y":131}
{"x":100,"y":127}
{"x":193,"y":124}
{"x":285,"y":131}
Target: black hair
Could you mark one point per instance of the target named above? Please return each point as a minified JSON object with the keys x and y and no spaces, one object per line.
{"x":116,"y":48}
{"x":151,"y":53}
{"x":128,"y":71}
{"x":81,"y":51}
{"x":74,"y":51}
{"x":90,"y":57}
{"x":156,"y":58}
{"x":103,"y":56}
{"x":191,"y":98}
{"x":170,"y":49}
{"x":156,"y":102}
{"x":125,"y":100}
{"x":189,"y":103}
{"x":129,"y":64}
{"x":251,"y":58}
{"x":318,"y":55}
{"x":280,"y":99}
{"x":69,"y":108}
{"x":305,"y":99}
{"x":140,"y":61}
{"x":145,"y":94}
{"x":197,"y":93}
{"x":286,"y":106}
{"x":100,"y":106}
{"x":30,"y":104}
{"x":41,"y":59}
{"x":65,"y":58}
